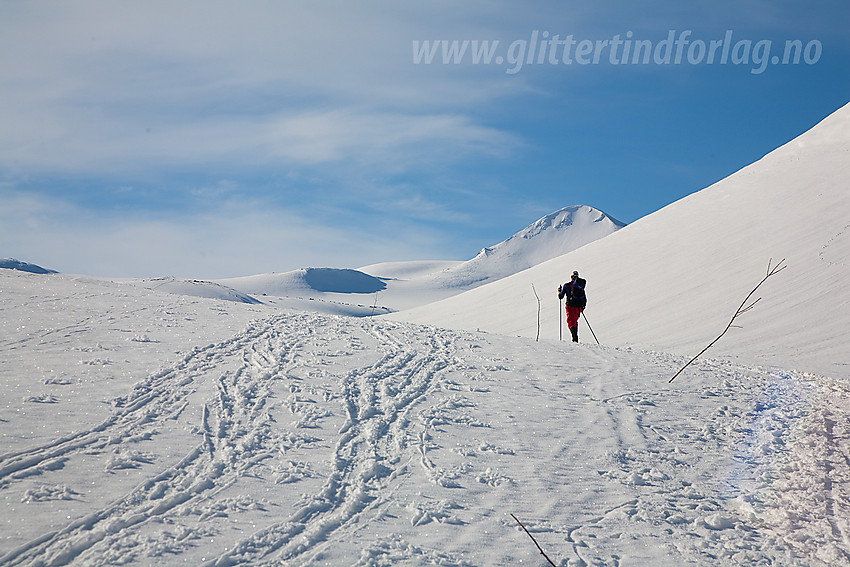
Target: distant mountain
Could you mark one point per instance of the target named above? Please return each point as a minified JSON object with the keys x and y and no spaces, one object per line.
{"x":671,"y":280}
{"x":12,"y":264}
{"x":555,"y":234}
{"x":402,"y":285}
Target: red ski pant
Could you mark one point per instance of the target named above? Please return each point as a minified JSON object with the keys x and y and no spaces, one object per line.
{"x":573,"y":314}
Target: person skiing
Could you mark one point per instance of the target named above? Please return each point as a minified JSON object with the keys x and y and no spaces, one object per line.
{"x":576,"y":301}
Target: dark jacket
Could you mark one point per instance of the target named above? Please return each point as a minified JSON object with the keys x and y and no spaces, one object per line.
{"x":574,"y":292}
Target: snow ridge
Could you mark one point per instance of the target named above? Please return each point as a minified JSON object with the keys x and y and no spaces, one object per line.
{"x":196,"y":288}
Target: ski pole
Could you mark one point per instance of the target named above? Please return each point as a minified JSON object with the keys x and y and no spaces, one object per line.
{"x":588,"y":326}
{"x":560,"y":321}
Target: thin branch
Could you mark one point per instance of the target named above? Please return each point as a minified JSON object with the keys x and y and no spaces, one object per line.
{"x":534,"y":540}
{"x":743,"y":308}
{"x":374,"y":305}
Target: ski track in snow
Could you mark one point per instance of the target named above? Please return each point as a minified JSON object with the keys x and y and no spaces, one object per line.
{"x":288,"y":442}
{"x":237,"y":435}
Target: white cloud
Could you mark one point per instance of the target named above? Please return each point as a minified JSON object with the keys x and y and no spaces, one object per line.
{"x":114,"y":88}
{"x":382,"y":138}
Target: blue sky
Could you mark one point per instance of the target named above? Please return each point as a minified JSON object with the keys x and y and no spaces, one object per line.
{"x":214,"y":139}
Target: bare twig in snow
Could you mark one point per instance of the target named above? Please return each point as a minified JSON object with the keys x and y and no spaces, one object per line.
{"x":534,"y":540}
{"x":744,"y":307}
{"x":374,"y":305}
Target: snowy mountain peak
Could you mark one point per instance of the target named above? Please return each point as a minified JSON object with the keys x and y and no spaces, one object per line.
{"x":565,"y":216}
{"x":551,"y":236}
{"x":563,"y":219}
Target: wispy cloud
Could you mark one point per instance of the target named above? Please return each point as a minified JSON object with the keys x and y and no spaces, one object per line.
{"x":388,"y":139}
{"x":236,"y":238}
{"x":114,"y":88}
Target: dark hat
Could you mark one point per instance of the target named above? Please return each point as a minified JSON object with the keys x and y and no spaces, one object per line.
{"x":575,"y":273}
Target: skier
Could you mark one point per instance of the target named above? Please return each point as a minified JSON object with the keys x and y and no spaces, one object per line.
{"x":576,"y":302}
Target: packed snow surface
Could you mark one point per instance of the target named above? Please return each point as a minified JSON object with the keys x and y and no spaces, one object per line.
{"x":147,"y":428}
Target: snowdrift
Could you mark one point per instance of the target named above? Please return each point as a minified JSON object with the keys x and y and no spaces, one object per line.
{"x":672,"y":280}
{"x":195,"y":288}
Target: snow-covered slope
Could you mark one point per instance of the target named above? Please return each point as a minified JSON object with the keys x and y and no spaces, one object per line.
{"x":144,"y":428}
{"x":410,"y":270}
{"x":673,"y":279}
